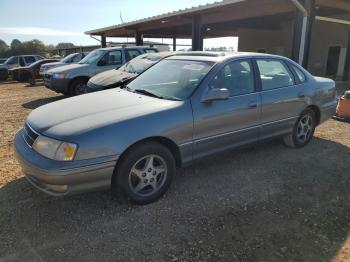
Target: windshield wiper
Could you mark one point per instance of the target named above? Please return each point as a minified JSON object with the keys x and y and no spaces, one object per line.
{"x":148,"y":93}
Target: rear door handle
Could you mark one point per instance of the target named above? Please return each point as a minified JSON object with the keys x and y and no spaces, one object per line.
{"x":301,"y":94}
{"x":253,"y":104}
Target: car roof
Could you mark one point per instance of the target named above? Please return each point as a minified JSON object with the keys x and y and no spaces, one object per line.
{"x":220,"y":56}
{"x":126,"y":47}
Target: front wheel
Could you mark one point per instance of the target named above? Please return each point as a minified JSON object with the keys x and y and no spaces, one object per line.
{"x":78,"y":87}
{"x":145,"y":172}
{"x":3,"y":74}
{"x":303,"y":130}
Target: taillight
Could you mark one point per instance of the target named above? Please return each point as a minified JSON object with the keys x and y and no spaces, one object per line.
{"x":334,"y":93}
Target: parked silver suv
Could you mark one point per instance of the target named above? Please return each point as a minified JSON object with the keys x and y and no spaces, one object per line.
{"x":72,"y":79}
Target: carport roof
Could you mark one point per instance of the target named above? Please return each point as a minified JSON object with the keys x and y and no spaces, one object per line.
{"x":219,"y":18}
{"x":191,"y":10}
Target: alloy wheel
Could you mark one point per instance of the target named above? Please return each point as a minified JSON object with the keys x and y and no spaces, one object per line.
{"x":304,"y":128}
{"x":148,"y":175}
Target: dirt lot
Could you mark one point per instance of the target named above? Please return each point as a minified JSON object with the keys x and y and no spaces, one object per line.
{"x":267,"y":203}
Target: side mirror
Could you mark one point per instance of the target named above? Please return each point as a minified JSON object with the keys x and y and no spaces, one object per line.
{"x":215,"y":94}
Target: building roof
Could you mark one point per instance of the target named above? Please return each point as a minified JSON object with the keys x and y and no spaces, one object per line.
{"x":164,"y":16}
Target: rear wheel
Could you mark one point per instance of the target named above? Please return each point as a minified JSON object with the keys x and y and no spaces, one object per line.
{"x":78,"y":87}
{"x":303,"y":130}
{"x":145,"y":172}
{"x":3,"y":75}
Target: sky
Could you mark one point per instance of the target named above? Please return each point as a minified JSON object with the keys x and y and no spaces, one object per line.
{"x":54,"y":21}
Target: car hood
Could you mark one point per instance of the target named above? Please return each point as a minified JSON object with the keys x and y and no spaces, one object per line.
{"x":53,"y":64}
{"x":111,"y":78}
{"x":69,"y":67}
{"x":77,"y":115}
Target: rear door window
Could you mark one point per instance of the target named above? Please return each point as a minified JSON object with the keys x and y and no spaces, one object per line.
{"x":131,"y":53}
{"x":29,"y":59}
{"x":274,"y":74}
{"x":112,"y":58}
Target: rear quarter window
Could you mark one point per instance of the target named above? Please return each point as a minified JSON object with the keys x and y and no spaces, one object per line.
{"x":299,"y":74}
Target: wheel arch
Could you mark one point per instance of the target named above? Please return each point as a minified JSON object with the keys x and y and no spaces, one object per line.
{"x":317,"y":112}
{"x":168,"y":143}
{"x":76,"y":78}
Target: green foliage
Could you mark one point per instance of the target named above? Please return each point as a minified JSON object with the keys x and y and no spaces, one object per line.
{"x":64,"y":45}
{"x":34,"y":46}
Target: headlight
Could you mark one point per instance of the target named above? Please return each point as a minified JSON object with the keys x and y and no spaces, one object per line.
{"x":55,"y":149}
{"x":59,"y":76}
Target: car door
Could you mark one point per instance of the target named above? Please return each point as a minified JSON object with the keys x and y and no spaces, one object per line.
{"x":111,"y":60}
{"x":282,"y":99}
{"x":223,"y":124}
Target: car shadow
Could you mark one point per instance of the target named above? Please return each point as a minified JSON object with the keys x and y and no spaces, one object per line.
{"x":263,"y":203}
{"x":42,"y":101}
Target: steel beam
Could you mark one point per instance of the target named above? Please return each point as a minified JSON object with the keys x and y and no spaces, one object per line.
{"x":103,"y":41}
{"x":138,"y":38}
{"x":197,"y":34}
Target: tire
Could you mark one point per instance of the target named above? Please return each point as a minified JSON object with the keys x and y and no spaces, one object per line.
{"x":3,"y":75}
{"x":303,"y":130}
{"x":78,"y":87}
{"x":145,"y":172}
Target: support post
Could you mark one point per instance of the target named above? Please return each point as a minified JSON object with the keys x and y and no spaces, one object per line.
{"x":174,"y":43}
{"x":197,"y":35}
{"x":103,"y":41}
{"x":138,"y":38}
{"x":346,"y":74}
{"x":304,"y":19}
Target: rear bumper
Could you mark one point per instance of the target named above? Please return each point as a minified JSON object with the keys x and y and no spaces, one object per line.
{"x":328,"y":111}
{"x":63,"y":178}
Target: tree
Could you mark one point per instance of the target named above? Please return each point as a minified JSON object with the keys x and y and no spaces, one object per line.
{"x":3,"y":48}
{"x":34,"y":46}
{"x":64,"y":45}
{"x":15,"y":43}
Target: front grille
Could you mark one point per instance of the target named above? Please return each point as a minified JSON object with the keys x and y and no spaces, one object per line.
{"x":29,"y":135}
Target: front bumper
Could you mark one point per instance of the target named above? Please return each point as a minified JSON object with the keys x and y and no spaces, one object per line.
{"x":60,"y":178}
{"x":57,"y":85}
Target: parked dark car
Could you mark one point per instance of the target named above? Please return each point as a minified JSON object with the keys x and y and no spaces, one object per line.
{"x":179,"y":110}
{"x":29,"y":73}
{"x":16,"y":61}
{"x":117,"y":77}
{"x":72,"y":79}
{"x":69,"y":59}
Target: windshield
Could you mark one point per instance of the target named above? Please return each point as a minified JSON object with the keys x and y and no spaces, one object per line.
{"x":12,"y":60}
{"x":67,"y":58}
{"x":140,"y":64}
{"x":92,"y":57}
{"x":172,"y":79}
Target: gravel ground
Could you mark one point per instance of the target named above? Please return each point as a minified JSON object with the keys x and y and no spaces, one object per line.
{"x":264,"y":203}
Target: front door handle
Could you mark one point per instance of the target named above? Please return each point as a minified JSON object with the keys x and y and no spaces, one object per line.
{"x":301,"y":94}
{"x":253,"y":104}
